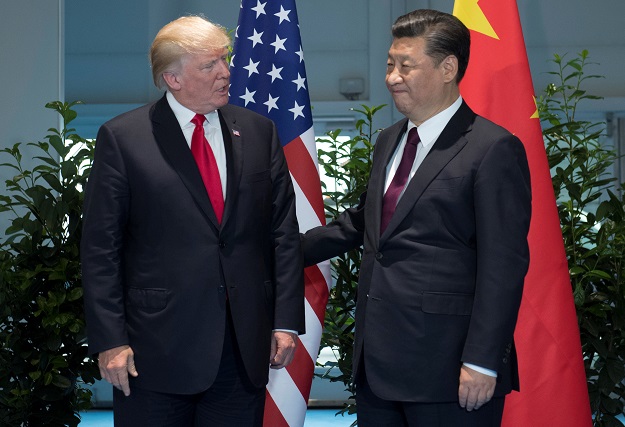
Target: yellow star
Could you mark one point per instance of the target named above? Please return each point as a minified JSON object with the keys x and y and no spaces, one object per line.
{"x":535,"y":115}
{"x":470,"y":13}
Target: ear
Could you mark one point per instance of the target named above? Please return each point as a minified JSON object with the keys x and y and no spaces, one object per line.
{"x":450,"y":68}
{"x":172,"y":80}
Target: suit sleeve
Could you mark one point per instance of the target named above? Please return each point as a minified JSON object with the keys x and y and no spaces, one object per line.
{"x":288,"y":263}
{"x":337,"y":237}
{"x":348,"y":230}
{"x":105,"y":213}
{"x":502,"y":197}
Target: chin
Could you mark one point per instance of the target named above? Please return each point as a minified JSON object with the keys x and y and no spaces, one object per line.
{"x":402,"y":108}
{"x":222,"y":103}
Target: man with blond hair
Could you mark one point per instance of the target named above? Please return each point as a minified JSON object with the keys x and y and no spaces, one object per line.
{"x":191,"y":264}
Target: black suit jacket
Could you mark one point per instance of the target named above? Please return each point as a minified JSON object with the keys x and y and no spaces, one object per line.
{"x":156,"y":264}
{"x":443,"y":284}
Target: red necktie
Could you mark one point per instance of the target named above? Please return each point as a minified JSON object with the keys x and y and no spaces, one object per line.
{"x":399,"y":180}
{"x":207,"y":165}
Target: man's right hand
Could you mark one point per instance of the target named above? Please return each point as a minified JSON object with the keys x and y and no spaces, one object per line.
{"x":115,"y":365}
{"x":476,"y":389}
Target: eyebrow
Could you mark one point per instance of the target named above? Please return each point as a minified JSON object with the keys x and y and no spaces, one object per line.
{"x":208,"y":63}
{"x":400,"y":58}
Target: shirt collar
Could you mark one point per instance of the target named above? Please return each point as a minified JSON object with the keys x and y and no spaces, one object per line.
{"x":430,"y":129}
{"x":184,"y":115}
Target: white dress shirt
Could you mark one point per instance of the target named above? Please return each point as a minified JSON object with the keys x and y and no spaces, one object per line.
{"x":429,"y":131}
{"x":212,"y":132}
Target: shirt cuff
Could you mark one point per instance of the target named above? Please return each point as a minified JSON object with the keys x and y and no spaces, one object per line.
{"x":481,"y":370}
{"x":286,"y":330}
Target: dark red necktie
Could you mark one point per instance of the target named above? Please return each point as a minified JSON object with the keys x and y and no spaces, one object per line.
{"x":207,"y":165}
{"x":399,"y":180}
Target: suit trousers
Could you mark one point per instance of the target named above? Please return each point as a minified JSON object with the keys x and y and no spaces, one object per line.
{"x":231,"y":401}
{"x":376,"y":412}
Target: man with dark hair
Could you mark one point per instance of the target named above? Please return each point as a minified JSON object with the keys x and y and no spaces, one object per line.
{"x":444,"y":224}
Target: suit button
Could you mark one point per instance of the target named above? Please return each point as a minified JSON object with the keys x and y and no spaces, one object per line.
{"x":378,"y":255}
{"x":222,"y":245}
{"x":222,"y":289}
{"x":505,"y":360}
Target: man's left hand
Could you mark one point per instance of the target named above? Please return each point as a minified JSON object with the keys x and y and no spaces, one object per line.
{"x":283,"y":345}
{"x":476,"y":389}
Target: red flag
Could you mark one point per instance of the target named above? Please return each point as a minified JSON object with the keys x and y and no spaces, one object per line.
{"x":269,"y":77}
{"x":498,"y":86}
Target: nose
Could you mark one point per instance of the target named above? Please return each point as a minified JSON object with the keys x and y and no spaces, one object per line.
{"x":392,"y":76}
{"x":224,"y":69}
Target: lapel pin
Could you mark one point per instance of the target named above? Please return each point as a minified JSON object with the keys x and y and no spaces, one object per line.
{"x":235,"y":132}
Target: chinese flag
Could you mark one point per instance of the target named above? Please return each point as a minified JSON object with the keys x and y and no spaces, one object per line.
{"x":498,"y":86}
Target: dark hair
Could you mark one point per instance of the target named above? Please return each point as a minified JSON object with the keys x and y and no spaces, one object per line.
{"x":444,"y":35}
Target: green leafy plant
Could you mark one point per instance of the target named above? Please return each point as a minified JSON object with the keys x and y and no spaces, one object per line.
{"x":43,"y":359}
{"x":348,"y":162}
{"x":592,"y":218}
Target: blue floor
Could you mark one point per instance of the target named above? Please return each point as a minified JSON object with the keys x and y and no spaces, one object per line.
{"x":314,"y":418}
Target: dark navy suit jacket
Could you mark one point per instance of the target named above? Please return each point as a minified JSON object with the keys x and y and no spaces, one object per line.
{"x":442,"y":285}
{"x":156,"y":264}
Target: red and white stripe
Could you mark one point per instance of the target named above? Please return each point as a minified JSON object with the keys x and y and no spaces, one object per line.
{"x":288,"y":389}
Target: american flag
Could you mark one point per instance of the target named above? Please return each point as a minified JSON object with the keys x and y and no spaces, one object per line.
{"x":269,"y":77}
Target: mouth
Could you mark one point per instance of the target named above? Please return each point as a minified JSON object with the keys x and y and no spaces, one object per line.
{"x":393,"y":89}
{"x":395,"y":92}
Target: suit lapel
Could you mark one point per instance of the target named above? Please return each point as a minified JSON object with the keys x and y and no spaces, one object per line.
{"x":233,"y":140}
{"x":447,"y":146}
{"x":169,"y":137}
{"x":375,"y":189}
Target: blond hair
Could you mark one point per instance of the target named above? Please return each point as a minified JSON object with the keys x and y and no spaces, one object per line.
{"x":185,"y":35}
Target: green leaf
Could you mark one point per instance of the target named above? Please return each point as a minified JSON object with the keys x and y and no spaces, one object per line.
{"x":61,"y":382}
{"x":600,"y":274}
{"x":68,"y":169}
{"x":53,"y":181}
{"x":58,"y":144}
{"x":35,"y":375}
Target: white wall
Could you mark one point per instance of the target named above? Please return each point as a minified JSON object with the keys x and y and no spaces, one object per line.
{"x":31,"y":51}
{"x":106,"y":51}
{"x":107,"y":45}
